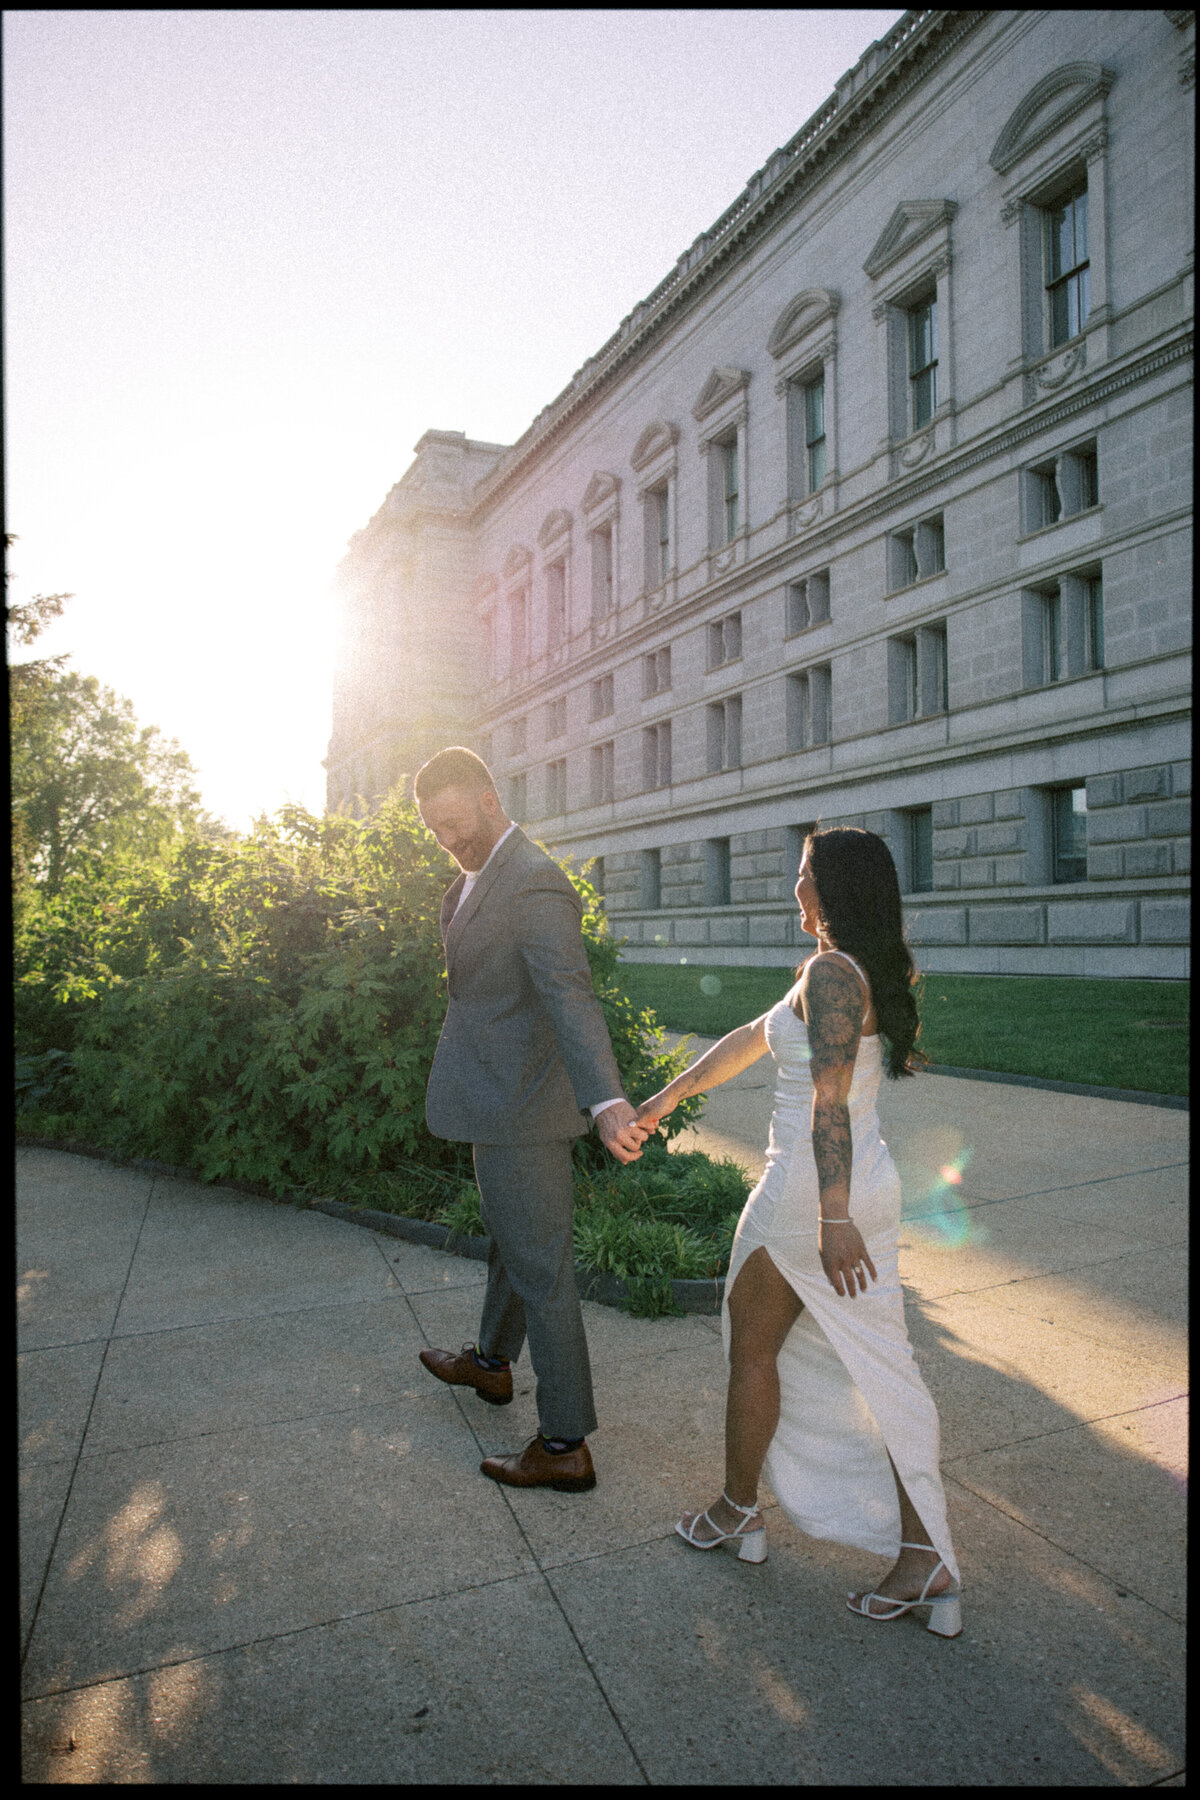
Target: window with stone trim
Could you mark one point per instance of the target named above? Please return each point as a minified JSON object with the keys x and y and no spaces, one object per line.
{"x":600,"y":694}
{"x":518,"y":736}
{"x":556,"y":603}
{"x":915,"y":552}
{"x":517,"y":797}
{"x":921,"y":318}
{"x":602,"y":773}
{"x":1059,"y":487}
{"x":724,"y":640}
{"x":1062,"y":628}
{"x":518,"y":612}
{"x":1068,"y":834}
{"x":1066,"y":270}
{"x":918,"y":828}
{"x":556,"y":787}
{"x":603,"y":572}
{"x":597,"y":875}
{"x":717,"y":872}
{"x":650,"y":880}
{"x":656,"y":671}
{"x":808,"y":708}
{"x":656,"y":755}
{"x":728,"y":453}
{"x":724,"y":721}
{"x":917,"y":684}
{"x":806,"y":602}
{"x":556,"y":717}
{"x":657,"y":503}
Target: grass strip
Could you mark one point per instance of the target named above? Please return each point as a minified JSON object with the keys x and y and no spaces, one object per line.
{"x":1107,"y":1033}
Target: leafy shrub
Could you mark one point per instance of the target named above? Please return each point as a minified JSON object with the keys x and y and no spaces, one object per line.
{"x":267,"y":1010}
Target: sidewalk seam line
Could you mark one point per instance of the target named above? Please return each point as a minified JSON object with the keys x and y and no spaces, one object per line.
{"x":49,"y":1563}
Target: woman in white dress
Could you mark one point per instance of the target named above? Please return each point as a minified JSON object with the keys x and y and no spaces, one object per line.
{"x":823,"y":1387}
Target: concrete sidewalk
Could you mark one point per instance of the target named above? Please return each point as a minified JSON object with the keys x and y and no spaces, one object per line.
{"x":256,"y":1547}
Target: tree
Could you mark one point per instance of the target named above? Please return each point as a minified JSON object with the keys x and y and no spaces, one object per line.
{"x":87,"y":781}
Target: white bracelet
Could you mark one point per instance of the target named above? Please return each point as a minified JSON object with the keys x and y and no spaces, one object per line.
{"x":821,"y":1221}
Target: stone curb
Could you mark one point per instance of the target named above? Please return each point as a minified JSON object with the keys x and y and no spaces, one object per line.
{"x":1132,"y":1096}
{"x":593,"y":1284}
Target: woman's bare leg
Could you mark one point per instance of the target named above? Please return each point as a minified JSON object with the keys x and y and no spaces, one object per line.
{"x":912,"y":1569}
{"x":762,"y":1310}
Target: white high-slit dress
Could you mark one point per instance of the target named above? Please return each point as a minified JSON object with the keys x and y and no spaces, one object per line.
{"x":850,"y":1390}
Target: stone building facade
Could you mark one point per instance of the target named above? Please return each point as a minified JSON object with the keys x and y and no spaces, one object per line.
{"x":877,"y":510}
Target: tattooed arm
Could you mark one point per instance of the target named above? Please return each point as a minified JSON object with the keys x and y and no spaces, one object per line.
{"x":832,"y":1001}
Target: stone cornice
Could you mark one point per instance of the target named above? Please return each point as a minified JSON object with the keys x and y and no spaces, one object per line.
{"x":884,"y":76}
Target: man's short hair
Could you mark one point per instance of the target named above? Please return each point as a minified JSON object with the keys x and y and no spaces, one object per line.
{"x":457,"y":768}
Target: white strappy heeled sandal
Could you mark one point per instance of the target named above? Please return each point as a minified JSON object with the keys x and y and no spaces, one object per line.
{"x":945,"y":1610}
{"x":752,"y":1545}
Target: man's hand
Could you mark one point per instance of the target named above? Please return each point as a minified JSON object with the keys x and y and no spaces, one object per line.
{"x":620,"y":1132}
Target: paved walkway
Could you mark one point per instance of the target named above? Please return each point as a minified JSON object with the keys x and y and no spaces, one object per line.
{"x":255,"y":1546}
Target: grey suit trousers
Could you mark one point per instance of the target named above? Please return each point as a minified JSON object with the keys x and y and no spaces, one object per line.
{"x":531,"y":1290}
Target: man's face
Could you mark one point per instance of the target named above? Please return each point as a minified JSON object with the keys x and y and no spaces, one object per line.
{"x":466,"y":823}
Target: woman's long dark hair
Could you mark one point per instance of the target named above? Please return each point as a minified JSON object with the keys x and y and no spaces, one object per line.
{"x":859,"y":895}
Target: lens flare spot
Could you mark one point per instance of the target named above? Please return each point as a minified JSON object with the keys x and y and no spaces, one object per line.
{"x":951,"y":1174}
{"x":947,"y":1227}
{"x":710,"y":985}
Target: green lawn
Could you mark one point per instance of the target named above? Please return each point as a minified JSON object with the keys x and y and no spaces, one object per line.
{"x":1125,"y":1034}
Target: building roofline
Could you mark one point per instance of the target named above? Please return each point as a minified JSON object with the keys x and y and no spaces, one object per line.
{"x":837,"y":122}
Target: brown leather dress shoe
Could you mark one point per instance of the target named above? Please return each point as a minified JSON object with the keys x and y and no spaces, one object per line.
{"x":570,"y":1473}
{"x":493,"y":1385}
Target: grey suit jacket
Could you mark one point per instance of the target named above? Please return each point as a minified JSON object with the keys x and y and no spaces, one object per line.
{"x":524,"y":1045}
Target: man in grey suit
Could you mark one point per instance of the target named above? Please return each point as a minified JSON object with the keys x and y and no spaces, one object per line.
{"x":524,"y":1052}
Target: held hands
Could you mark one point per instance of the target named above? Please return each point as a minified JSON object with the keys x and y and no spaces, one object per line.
{"x":620,"y":1132}
{"x":651,"y":1111}
{"x":844,"y":1258}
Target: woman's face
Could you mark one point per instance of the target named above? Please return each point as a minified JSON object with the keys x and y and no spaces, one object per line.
{"x":806,"y":896}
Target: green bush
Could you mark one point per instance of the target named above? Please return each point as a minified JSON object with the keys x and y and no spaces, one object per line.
{"x":266,"y":1010}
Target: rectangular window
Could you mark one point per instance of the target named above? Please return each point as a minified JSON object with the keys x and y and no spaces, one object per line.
{"x":596,"y":874}
{"x":1068,"y":834}
{"x":1043,"y":500}
{"x":807,"y":603}
{"x":814,"y":433}
{"x":517,"y":608}
{"x":601,"y":697}
{"x":1062,"y":626}
{"x":1067,"y":271}
{"x":650,"y":879}
{"x":517,"y":737}
{"x":656,"y":672}
{"x":658,"y":535}
{"x":516,"y":797}
{"x":922,"y":362}
{"x":915,"y":552}
{"x":724,"y":640}
{"x":656,"y":755}
{"x":901,"y":558}
{"x":556,"y":718}
{"x":730,"y":484}
{"x":716,"y":872}
{"x":1060,"y":487}
{"x":920,"y":850}
{"x":725,"y":734}
{"x":603,"y":598}
{"x":556,"y":604}
{"x":602,"y":774}
{"x":808,"y":708}
{"x":556,"y":788}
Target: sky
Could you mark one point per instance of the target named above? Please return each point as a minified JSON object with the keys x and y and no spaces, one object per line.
{"x":250,"y":257}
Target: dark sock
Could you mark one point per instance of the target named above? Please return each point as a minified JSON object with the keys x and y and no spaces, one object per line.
{"x":489,"y":1362}
{"x":560,"y":1446}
